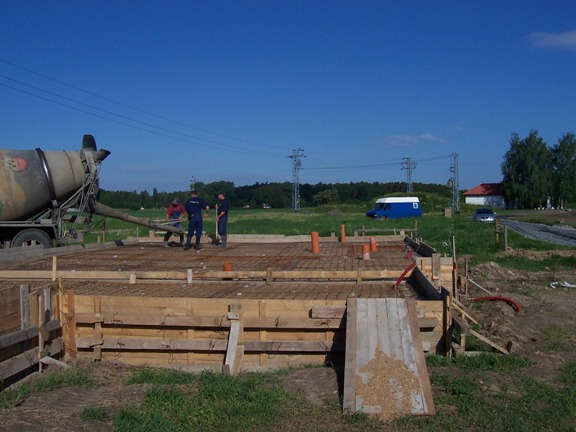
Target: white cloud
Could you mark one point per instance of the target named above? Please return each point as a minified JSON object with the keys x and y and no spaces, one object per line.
{"x":563,"y":40}
{"x":411,"y":140}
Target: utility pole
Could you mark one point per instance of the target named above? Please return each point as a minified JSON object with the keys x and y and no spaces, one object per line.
{"x":455,"y":184}
{"x":409,"y":165}
{"x":192,"y":183}
{"x":296,"y":155}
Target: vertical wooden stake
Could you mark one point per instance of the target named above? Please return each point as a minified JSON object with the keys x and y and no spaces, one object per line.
{"x":24,"y":306}
{"x":40,"y":334}
{"x":54,"y":267}
{"x":72,"y":349}
{"x":262,"y":335}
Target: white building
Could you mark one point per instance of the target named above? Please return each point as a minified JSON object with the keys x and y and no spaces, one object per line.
{"x":486,"y":194}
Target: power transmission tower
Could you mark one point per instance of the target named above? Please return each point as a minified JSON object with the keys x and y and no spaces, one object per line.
{"x":192,"y":183}
{"x":409,"y":165}
{"x":296,"y":155}
{"x":455,"y":184}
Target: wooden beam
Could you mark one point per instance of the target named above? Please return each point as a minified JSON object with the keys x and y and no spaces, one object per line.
{"x":349,"y":400}
{"x":460,"y":325}
{"x":25,"y":334}
{"x":24,"y":306}
{"x":218,"y":345}
{"x":180,"y":275}
{"x":27,"y":359}
{"x":489,"y":342}
{"x":230,"y":359}
{"x":325,"y":311}
{"x":272,"y":323}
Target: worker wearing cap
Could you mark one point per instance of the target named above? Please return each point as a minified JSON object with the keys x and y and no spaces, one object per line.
{"x":222,"y":210}
{"x":197,"y":209}
{"x":174,"y":213}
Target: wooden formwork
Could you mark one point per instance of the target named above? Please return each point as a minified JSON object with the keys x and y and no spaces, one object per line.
{"x":30,"y":334}
{"x":202,"y":333}
{"x":281,"y":305}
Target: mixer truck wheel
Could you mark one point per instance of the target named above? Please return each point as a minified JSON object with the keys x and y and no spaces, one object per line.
{"x":32,"y":236}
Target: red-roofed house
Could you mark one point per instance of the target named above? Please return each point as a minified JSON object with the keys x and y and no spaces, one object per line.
{"x":486,"y":194}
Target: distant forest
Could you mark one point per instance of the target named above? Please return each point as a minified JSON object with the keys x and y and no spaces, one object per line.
{"x":275,"y":195}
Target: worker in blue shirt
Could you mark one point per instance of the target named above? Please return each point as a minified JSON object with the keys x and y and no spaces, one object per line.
{"x":222,"y":210}
{"x":197,"y":210}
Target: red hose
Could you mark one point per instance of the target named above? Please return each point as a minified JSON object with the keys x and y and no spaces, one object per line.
{"x":404,"y":273}
{"x":508,"y":300}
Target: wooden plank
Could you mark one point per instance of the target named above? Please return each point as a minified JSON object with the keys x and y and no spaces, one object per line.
{"x":382,"y":329}
{"x":388,"y":378}
{"x":126,"y":319}
{"x":349,"y":396}
{"x":426,"y":388}
{"x":25,"y":334}
{"x":26,"y":275}
{"x":161,"y":344}
{"x":27,"y":359}
{"x":325,"y":311}
{"x":262,"y":333}
{"x":460,"y":325}
{"x":230,"y":360}
{"x":489,"y":342}
{"x":71,"y":324}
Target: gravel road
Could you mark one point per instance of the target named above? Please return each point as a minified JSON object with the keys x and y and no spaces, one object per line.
{"x":560,"y":235}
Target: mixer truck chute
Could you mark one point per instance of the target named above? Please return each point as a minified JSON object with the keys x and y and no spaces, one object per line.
{"x":39,"y":189}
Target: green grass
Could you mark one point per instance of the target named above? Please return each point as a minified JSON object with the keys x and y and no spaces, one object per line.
{"x":51,"y":381}
{"x":476,"y":399}
{"x":486,"y":392}
{"x":94,"y":414}
{"x":484,"y":361}
{"x":559,"y":338}
{"x":223,"y":403}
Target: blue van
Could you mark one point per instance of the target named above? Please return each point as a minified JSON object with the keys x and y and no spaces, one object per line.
{"x":396,"y":207}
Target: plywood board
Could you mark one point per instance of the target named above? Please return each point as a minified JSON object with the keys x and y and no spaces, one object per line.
{"x":385,"y":371}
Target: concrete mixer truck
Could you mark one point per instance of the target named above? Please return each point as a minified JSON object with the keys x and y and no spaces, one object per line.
{"x":43,"y":195}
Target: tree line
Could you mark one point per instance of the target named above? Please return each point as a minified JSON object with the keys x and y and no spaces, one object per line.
{"x":537,"y":175}
{"x":534,"y":175}
{"x":275,"y":195}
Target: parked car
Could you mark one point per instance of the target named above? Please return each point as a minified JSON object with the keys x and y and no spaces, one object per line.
{"x":485,"y":215}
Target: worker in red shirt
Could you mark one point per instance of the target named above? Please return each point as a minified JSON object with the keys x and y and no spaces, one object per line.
{"x":175,"y":213}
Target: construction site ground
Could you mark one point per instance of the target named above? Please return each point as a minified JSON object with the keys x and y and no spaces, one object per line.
{"x":547,"y":298}
{"x":152,"y":256}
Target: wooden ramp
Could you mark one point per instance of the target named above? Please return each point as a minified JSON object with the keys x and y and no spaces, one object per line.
{"x":385,"y":373}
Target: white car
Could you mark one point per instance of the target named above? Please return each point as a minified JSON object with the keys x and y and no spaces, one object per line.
{"x":484,"y":215}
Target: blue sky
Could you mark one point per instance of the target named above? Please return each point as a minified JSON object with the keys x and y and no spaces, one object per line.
{"x":226,"y":90}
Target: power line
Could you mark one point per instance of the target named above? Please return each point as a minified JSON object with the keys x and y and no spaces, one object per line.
{"x":134,"y":108}
{"x":126,"y":117}
{"x":395,"y":163}
{"x":215,"y":145}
